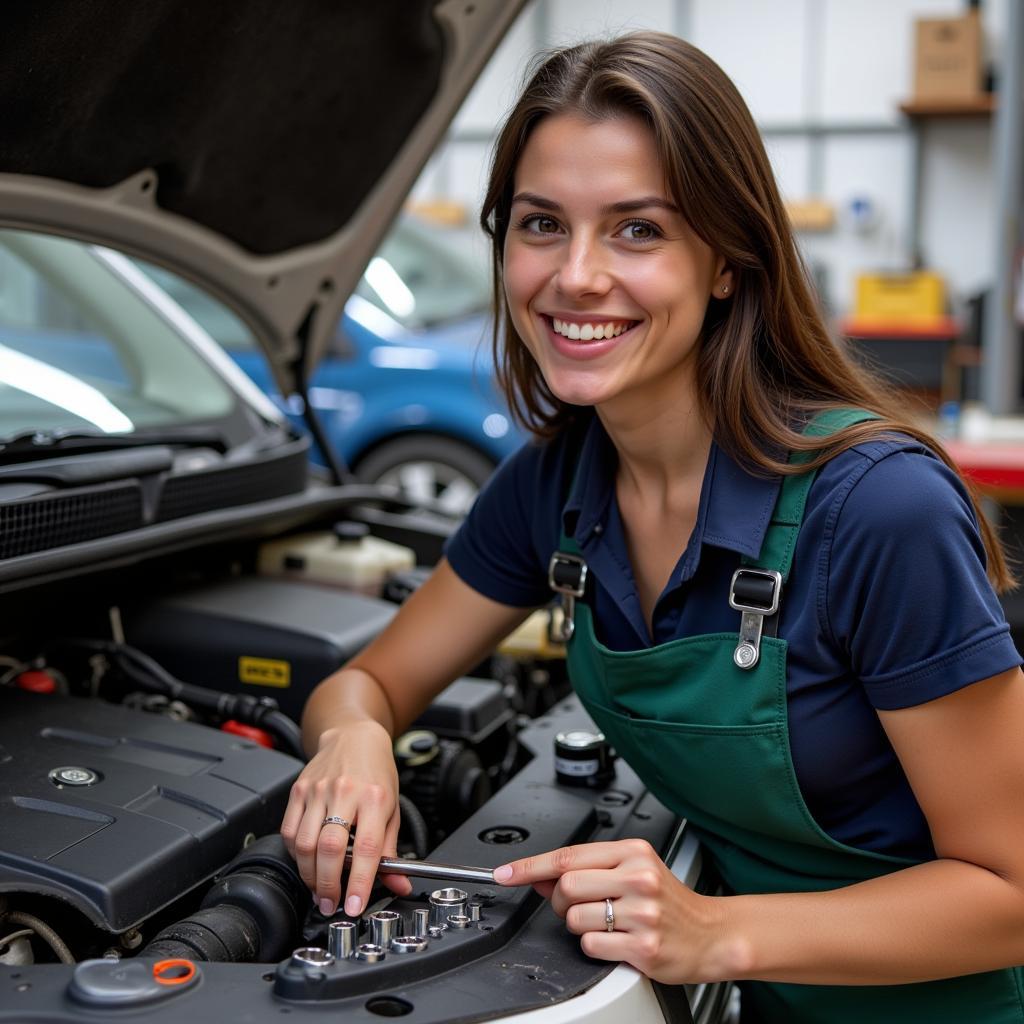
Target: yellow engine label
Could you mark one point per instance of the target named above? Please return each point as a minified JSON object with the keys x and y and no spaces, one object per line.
{"x":265,"y":672}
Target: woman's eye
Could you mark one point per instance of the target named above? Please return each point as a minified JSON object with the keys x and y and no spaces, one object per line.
{"x":640,"y":231}
{"x":540,"y":224}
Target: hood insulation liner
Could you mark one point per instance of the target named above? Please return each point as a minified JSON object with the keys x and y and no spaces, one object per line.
{"x":267,"y":121}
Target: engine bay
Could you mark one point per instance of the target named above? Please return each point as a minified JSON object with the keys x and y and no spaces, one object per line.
{"x":148,"y":742}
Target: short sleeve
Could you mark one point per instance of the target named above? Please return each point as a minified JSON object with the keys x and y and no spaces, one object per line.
{"x":906,"y":592}
{"x":498,"y":548}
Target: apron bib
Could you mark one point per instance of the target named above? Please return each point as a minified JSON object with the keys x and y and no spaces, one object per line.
{"x":711,"y":741}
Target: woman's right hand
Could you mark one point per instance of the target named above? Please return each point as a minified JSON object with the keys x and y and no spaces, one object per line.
{"x":351,"y":776}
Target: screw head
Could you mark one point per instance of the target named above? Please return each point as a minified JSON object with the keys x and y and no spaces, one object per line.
{"x":745,"y":655}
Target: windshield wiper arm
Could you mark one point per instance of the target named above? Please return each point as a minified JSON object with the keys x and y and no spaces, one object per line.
{"x":34,"y":444}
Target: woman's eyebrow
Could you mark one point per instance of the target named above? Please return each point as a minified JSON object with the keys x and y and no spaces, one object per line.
{"x":626,"y":206}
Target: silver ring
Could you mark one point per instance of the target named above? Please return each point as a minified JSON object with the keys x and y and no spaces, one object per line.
{"x":609,"y":916}
{"x":334,"y":819}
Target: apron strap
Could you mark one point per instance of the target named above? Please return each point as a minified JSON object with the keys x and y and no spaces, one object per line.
{"x":756,"y":588}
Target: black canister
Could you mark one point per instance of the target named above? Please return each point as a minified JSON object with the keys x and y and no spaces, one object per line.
{"x":583,"y":758}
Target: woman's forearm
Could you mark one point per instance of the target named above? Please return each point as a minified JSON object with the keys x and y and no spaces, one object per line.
{"x":350,"y":695}
{"x":935,"y":920}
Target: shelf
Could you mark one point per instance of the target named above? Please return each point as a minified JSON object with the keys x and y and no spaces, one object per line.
{"x":942,"y":329}
{"x":977,"y":106}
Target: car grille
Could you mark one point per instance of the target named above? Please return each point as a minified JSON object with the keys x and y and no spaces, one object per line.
{"x":244,"y":484}
{"x":40,"y":523}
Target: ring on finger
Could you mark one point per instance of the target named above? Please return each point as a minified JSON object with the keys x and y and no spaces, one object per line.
{"x":335,"y":819}
{"x":609,"y":916}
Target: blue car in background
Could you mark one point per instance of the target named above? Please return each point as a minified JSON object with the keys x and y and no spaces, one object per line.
{"x":406,"y":393}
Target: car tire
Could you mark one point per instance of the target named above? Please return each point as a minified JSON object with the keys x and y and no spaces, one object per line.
{"x":429,"y":468}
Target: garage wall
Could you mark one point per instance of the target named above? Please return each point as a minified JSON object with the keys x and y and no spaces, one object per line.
{"x":823,"y":79}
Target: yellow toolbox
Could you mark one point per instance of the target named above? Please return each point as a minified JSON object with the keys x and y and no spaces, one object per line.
{"x":917,"y":298}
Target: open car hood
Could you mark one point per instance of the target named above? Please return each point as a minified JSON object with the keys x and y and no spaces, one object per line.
{"x":261,"y":149}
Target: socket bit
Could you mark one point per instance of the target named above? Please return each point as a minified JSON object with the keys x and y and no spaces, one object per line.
{"x":444,"y":902}
{"x":370,"y":952}
{"x":384,"y":926}
{"x":458,"y":921}
{"x":341,"y":938}
{"x":408,"y":944}
{"x":420,"y":920}
{"x":312,"y":957}
{"x":475,"y":911}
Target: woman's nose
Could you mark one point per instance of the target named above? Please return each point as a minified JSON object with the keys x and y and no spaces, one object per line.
{"x":583,"y":271}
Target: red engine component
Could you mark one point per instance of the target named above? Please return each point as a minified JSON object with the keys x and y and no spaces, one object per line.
{"x":36,"y":681}
{"x":249,"y":732}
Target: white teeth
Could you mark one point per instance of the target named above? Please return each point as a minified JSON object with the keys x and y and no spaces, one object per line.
{"x":588,"y":332}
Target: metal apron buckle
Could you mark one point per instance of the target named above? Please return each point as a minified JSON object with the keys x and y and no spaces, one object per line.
{"x":756,"y":594}
{"x":567,"y":577}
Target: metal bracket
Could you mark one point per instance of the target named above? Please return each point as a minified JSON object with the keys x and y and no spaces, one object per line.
{"x":754,"y":610}
{"x":567,"y":577}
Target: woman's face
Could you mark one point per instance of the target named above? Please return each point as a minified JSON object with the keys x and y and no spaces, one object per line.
{"x":606,"y":283}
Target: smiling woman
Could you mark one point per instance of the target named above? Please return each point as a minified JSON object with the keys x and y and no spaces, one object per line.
{"x":779,"y":595}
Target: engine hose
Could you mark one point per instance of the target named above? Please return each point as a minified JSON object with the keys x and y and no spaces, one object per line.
{"x":253,"y":912}
{"x":44,"y":931}
{"x":412,"y":817}
{"x":222,"y":934}
{"x":258,"y":711}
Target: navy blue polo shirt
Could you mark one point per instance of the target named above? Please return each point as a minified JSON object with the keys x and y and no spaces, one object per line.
{"x":887,"y":604}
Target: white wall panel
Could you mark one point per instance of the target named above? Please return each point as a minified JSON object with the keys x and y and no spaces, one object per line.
{"x":761,"y":47}
{"x":497,"y":87}
{"x":572,"y":21}
{"x":957,"y":214}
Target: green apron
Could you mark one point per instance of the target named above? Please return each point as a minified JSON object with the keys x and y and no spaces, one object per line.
{"x":711,"y":741}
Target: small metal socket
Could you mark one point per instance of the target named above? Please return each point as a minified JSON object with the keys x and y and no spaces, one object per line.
{"x":435,"y":931}
{"x":384,"y":926}
{"x":445,"y":902}
{"x":312,"y":956}
{"x":370,"y":952}
{"x":341,"y":938}
{"x":420,"y":922}
{"x":408,"y":944}
{"x":475,"y":911}
{"x":458,"y":921}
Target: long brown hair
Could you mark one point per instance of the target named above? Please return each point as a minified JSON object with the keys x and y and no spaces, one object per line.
{"x":766,"y":363}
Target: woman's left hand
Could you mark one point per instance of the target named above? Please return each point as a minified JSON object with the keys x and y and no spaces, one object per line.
{"x":661,"y":927}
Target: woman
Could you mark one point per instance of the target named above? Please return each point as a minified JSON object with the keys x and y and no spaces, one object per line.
{"x":852,"y":761}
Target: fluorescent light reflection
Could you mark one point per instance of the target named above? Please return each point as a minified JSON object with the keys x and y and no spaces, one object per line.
{"x":61,"y":389}
{"x":393,"y":291}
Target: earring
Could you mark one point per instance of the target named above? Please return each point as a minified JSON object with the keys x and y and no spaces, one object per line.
{"x":725,"y":290}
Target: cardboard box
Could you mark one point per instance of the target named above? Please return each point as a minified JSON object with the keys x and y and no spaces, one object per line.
{"x":915,"y":299}
{"x":947,"y":58}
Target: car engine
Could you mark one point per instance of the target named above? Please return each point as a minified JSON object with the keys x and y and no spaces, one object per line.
{"x":148,"y":742}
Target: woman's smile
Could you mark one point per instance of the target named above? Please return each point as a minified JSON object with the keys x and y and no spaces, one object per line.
{"x":607,"y":284}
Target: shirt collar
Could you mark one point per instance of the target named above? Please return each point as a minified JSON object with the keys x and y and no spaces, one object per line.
{"x":735,"y":505}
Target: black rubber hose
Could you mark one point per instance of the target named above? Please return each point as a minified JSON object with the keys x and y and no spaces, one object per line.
{"x":221,"y":934}
{"x":259,"y":711}
{"x":253,"y":912}
{"x":417,"y":824}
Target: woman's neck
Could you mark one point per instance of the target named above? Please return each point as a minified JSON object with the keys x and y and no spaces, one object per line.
{"x":662,"y":447}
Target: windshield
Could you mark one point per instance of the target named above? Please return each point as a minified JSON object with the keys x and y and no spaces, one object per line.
{"x":419,"y":279}
{"x":80,"y":350}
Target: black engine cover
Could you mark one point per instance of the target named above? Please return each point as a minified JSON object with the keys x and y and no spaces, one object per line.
{"x":146,"y":798}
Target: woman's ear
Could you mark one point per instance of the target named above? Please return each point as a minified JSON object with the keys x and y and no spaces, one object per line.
{"x":723,"y":285}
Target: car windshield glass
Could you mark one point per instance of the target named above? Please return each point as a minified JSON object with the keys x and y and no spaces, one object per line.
{"x":82,"y":350}
{"x":419,"y":279}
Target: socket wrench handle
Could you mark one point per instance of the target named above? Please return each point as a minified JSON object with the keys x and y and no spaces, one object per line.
{"x":427,"y":869}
